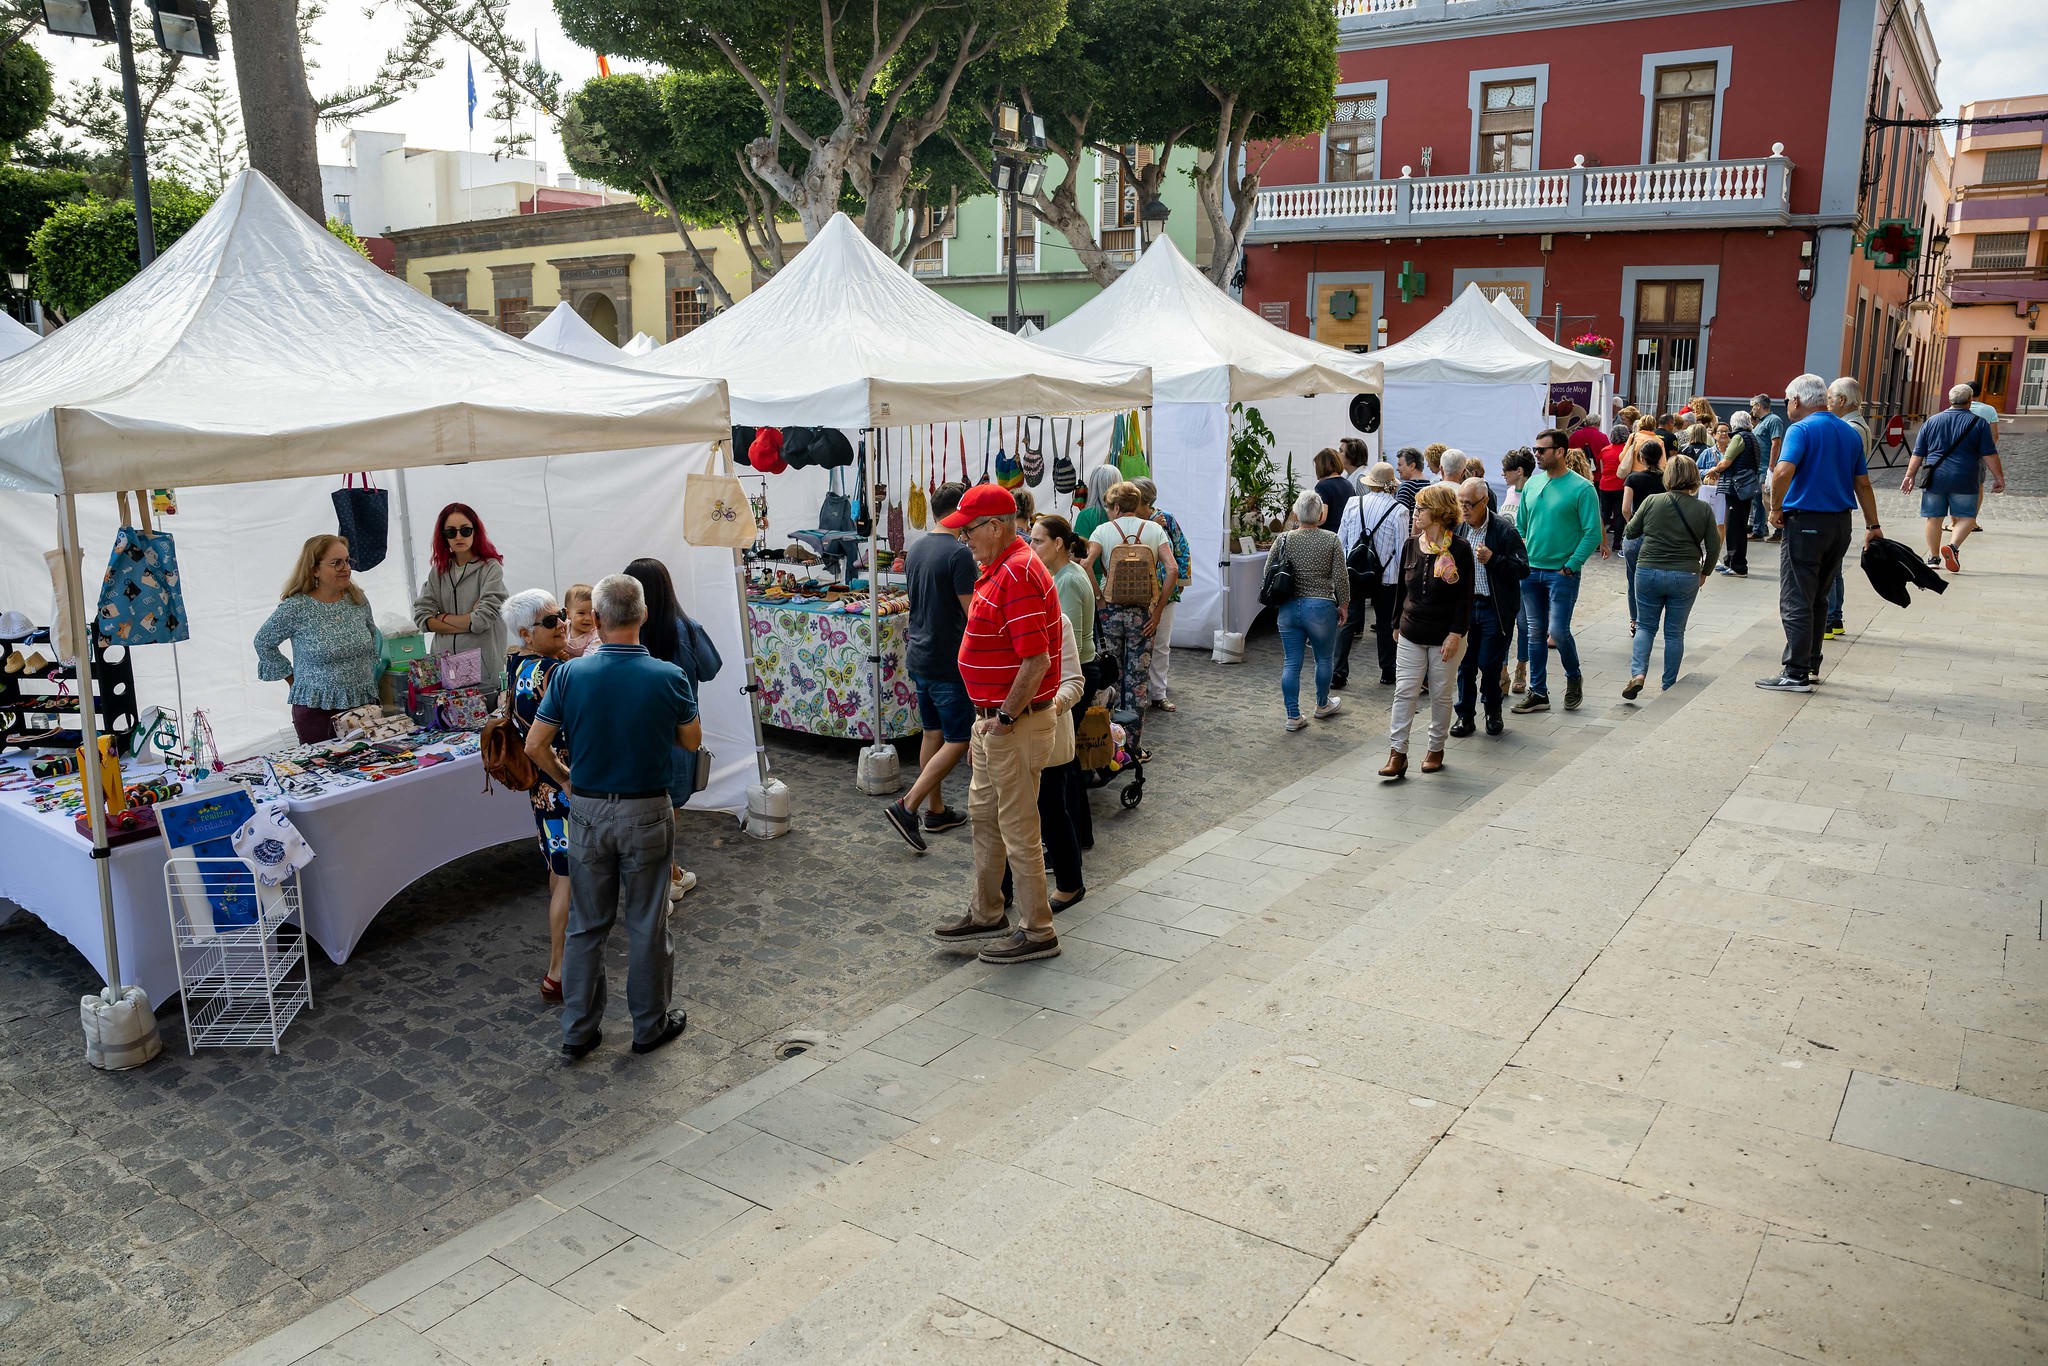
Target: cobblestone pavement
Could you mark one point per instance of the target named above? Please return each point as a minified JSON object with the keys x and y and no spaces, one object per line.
{"x":205,"y":1200}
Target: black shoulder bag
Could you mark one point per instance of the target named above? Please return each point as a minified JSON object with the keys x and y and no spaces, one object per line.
{"x":1278,"y":585}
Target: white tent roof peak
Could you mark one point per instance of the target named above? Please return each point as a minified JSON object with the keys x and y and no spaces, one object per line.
{"x":1203,"y":346}
{"x":1566,"y":365}
{"x":842,"y":336}
{"x":1467,"y":343}
{"x":641,"y":345}
{"x":14,"y":338}
{"x":259,"y":347}
{"x":565,"y":331}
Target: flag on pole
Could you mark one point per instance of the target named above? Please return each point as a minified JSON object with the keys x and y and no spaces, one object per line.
{"x":604,"y":65}
{"x":470,"y":62}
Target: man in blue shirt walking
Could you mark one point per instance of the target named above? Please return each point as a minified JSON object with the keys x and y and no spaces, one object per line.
{"x":620,"y":711}
{"x":1953,"y":445}
{"x":1820,"y":477}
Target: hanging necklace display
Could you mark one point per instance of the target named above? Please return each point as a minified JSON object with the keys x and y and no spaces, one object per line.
{"x":961,"y":433}
{"x":1009,"y":474}
{"x":1065,"y":478}
{"x":897,"y":537}
{"x":1031,"y":438}
{"x":988,"y":442}
{"x":917,"y":503}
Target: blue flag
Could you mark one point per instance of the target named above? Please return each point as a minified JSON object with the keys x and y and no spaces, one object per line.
{"x":470,"y":63}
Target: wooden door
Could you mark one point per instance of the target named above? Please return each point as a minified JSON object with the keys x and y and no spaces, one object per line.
{"x":1994,"y":373}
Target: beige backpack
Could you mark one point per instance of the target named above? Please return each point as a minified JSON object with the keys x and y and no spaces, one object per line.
{"x":1131,"y":575}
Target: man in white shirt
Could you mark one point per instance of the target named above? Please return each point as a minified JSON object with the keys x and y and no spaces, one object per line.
{"x":1378,"y":513}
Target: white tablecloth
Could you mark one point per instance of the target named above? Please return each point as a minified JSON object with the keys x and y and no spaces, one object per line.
{"x":1246,"y":573}
{"x":369,"y":843}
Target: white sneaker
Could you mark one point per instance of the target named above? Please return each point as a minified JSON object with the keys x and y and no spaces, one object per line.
{"x":679,"y":886}
{"x":1330,"y":708}
{"x":1297,"y":723}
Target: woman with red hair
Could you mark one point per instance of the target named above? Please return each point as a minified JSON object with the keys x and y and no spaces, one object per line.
{"x":461,"y":599}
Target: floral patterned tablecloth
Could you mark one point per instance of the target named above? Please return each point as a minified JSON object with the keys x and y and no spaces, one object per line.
{"x":815,"y":677}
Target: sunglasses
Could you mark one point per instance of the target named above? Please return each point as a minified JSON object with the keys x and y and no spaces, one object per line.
{"x":551,"y":620}
{"x":452,"y":533}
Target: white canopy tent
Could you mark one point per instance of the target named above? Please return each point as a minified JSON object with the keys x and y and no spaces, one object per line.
{"x":844,"y":337}
{"x":14,"y":338}
{"x":1466,"y":380}
{"x":260,"y":349}
{"x":1206,"y":352}
{"x":564,"y":331}
{"x":1566,"y":365}
{"x":641,"y":345}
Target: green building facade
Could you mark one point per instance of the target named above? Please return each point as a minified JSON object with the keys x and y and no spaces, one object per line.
{"x":968,"y":265}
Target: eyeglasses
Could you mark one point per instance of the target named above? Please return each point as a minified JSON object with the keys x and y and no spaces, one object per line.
{"x":1544,"y":450}
{"x":1472,"y":502}
{"x":456,"y":533}
{"x":551,"y":621}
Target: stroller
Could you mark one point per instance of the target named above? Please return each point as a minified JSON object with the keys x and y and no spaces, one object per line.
{"x":1109,"y":732}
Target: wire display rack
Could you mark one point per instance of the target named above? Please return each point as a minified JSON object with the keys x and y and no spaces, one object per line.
{"x":241,"y":985}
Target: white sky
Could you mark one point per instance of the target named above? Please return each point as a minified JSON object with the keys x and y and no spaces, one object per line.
{"x":1990,"y":49}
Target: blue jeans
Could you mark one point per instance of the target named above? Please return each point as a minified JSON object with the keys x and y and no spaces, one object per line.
{"x":1479,"y":669}
{"x":1759,"y":517}
{"x":1835,"y":600}
{"x":1305,"y":622}
{"x":1669,"y":594}
{"x":620,"y":849}
{"x":1548,"y":596}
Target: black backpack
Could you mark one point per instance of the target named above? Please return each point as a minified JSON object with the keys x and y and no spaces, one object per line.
{"x":1364,"y":559}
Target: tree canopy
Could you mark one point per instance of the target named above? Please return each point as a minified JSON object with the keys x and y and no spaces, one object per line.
{"x":86,"y":250}
{"x":29,"y":195}
{"x":25,"y":93}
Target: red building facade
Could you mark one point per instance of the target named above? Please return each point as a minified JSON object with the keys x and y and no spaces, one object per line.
{"x":1694,"y":179}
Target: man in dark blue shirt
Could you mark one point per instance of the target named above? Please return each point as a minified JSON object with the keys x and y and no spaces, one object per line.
{"x":1954,"y":444}
{"x":620,"y":712}
{"x":1820,"y":477}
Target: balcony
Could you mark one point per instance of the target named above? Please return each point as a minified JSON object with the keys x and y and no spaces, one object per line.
{"x":2021,"y":285}
{"x":1699,"y":194}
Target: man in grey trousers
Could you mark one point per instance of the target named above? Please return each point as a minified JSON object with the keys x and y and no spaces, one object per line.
{"x":619,"y":710}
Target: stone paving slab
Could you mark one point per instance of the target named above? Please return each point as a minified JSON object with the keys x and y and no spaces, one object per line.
{"x":1961,"y":1133}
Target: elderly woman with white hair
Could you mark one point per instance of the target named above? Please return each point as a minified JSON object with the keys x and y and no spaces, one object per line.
{"x":1101,"y":480}
{"x":1739,"y":474}
{"x":537,"y":634}
{"x":1314,"y":559}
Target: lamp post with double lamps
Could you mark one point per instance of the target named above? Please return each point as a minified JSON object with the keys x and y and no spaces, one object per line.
{"x":1019,"y":141}
{"x":181,"y":26}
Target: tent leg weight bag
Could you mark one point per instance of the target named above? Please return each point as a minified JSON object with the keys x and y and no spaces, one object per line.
{"x":1227,"y":647}
{"x":880,"y":771}
{"x":767,"y":810}
{"x":120,"y":1029}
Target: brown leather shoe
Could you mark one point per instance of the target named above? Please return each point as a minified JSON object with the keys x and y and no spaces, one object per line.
{"x":1397,"y":765}
{"x":1433,"y":761}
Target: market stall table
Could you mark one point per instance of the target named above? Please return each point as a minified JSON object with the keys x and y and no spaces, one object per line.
{"x":370,"y":841}
{"x":813,"y":662}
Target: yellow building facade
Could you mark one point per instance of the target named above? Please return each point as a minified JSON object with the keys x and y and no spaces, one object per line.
{"x":624,"y":270}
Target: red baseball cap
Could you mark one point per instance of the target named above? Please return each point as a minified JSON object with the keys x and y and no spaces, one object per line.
{"x":983,"y":500}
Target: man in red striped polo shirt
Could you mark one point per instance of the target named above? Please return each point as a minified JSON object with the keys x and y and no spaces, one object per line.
{"x":1008,"y":661}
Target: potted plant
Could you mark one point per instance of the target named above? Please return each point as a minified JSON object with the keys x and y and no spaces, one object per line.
{"x":1254,"y":486}
{"x":1592,"y":344}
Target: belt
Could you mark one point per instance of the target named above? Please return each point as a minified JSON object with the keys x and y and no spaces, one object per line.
{"x":620,"y":796}
{"x":1035,"y":706}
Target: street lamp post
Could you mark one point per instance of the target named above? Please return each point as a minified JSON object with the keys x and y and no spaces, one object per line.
{"x":1152,"y":220}
{"x":1019,"y":140}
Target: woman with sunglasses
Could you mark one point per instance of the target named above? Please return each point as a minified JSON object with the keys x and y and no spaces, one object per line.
{"x":539,"y":630}
{"x":462,"y":599}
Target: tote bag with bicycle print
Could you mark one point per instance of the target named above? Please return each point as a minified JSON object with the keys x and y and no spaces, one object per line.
{"x":715,"y":507}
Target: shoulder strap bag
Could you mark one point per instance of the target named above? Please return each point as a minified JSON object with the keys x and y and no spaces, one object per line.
{"x":1927,"y":467}
{"x":1277,"y":586}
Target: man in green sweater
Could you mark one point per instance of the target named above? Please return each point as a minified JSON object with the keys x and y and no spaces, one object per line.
{"x":1559,"y":518}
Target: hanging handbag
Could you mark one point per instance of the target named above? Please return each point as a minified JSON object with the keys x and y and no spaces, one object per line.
{"x":898,"y":537}
{"x":1031,"y":439}
{"x":362,"y":517}
{"x":1277,"y":586}
{"x":464,"y":710}
{"x":1065,"y":478}
{"x":836,"y":512}
{"x":917,"y":500}
{"x":1009,"y":474}
{"x":141,"y":602}
{"x":1131,"y":458}
{"x":715,"y":506}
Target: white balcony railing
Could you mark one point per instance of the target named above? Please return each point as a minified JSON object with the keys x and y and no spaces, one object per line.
{"x":1581,"y":197}
{"x":1352,"y":9}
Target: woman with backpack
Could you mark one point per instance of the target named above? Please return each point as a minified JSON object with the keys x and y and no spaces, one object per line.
{"x":1134,"y":561}
{"x":1314,"y":559}
{"x":537,"y":629}
{"x":669,"y":634}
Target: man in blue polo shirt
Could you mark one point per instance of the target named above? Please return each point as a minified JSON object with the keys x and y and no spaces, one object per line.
{"x":620,"y":712}
{"x":1820,"y":477}
{"x":1953,"y":446}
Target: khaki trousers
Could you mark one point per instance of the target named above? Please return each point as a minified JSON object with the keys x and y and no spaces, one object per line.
{"x":1415,"y":665}
{"x":1002,"y":801}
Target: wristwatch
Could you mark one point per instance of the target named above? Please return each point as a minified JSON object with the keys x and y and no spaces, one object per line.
{"x":1005,"y":717}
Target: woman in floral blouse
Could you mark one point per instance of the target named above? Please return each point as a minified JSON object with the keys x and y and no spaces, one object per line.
{"x":334,"y":640}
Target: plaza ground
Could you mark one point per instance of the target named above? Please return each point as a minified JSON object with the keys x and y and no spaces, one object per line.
{"x":1711,"y":1028}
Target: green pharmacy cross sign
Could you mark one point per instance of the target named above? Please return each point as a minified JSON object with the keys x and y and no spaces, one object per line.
{"x":1894,"y":244}
{"x":1344,"y":305}
{"x":1411,"y":282}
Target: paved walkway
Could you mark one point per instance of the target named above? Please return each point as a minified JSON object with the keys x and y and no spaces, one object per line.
{"x":1710,"y":1029}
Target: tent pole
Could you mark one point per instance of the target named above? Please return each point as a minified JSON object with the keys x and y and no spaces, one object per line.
{"x":412,"y":569}
{"x":89,"y":728}
{"x":739,"y":579}
{"x":874,"y":579}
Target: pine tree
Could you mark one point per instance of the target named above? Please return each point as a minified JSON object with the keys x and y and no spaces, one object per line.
{"x":210,"y":148}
